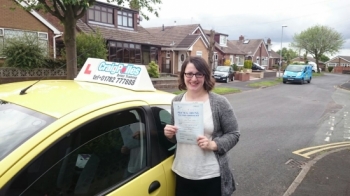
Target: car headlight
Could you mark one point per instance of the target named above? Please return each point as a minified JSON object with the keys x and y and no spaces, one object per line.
{"x":299,"y":74}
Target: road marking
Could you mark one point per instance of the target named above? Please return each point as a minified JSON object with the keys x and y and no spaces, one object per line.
{"x":327,"y":139}
{"x":306,"y":152}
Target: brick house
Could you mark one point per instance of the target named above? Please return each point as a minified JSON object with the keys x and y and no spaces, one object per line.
{"x":255,"y":50}
{"x":340,"y":64}
{"x":126,"y":40}
{"x":225,"y":50}
{"x":18,"y":22}
{"x":179,"y":42}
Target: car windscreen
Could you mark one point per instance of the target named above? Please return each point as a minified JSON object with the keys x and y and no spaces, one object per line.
{"x":222,"y":68}
{"x":295,"y":68}
{"x":17,"y":125}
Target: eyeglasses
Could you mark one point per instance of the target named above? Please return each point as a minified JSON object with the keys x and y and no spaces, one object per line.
{"x":198,"y":75}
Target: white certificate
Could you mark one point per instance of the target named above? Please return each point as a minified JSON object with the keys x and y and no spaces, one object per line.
{"x":188,"y":119}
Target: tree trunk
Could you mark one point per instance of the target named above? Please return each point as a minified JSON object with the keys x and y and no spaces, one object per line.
{"x":70,"y":45}
{"x":211,"y":49}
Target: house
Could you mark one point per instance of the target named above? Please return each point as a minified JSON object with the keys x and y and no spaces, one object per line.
{"x":127,"y":41}
{"x":321,"y":64}
{"x":225,"y":50}
{"x":179,"y":42}
{"x":18,"y":22}
{"x":340,"y":64}
{"x":274,"y":57}
{"x":255,"y":50}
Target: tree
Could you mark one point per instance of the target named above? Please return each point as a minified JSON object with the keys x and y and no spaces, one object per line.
{"x":211,"y":48}
{"x":288,"y":54}
{"x":89,"y":45}
{"x":324,"y":58}
{"x":69,"y":11}
{"x":318,"y":40}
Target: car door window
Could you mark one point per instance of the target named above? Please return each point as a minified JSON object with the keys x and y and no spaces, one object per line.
{"x":91,"y":159}
{"x":162,"y":116}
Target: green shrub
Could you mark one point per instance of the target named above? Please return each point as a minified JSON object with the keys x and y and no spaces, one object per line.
{"x":248,"y":64}
{"x":24,"y":52}
{"x":153,"y":70}
{"x":330,"y":69}
{"x":89,"y":45}
{"x":55,"y":63}
{"x":234,"y":67}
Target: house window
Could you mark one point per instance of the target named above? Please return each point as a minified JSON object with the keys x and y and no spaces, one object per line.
{"x":199,"y":53}
{"x":215,"y":56}
{"x":101,"y":14}
{"x":223,"y":40}
{"x":167,"y":54}
{"x":40,"y":37}
{"x":264,"y":61}
{"x":238,"y":60}
{"x":124,"y":52}
{"x":125,"y":19}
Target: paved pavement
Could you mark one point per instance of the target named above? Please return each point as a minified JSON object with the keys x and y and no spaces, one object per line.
{"x":326,"y":175}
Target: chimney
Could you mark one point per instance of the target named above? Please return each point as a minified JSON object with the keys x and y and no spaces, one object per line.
{"x":268,"y":41}
{"x":163,"y":28}
{"x":241,"y":38}
{"x":175,"y":23}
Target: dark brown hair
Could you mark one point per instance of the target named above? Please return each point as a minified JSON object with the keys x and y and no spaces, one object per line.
{"x":202,"y":67}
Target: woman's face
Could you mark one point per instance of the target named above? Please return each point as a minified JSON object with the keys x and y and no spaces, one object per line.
{"x":193,"y":83}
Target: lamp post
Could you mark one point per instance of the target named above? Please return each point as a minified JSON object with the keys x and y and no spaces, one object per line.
{"x":280,"y":64}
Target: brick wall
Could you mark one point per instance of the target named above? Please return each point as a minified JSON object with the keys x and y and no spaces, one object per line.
{"x":200,"y":46}
{"x":18,"y":18}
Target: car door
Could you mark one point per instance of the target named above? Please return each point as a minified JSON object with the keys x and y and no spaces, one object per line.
{"x":106,"y":152}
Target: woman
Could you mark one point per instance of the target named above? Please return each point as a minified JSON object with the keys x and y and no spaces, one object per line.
{"x":203,"y":169}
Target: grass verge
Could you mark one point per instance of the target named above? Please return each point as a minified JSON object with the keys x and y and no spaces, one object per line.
{"x":218,"y":90}
{"x":266,"y":83}
{"x":317,"y":74}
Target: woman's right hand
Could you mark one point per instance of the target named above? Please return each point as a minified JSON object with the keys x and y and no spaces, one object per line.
{"x":170,"y":131}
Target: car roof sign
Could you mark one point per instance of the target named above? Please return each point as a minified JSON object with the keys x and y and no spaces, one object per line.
{"x":125,"y":75}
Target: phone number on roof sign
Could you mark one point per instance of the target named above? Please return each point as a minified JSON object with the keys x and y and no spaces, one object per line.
{"x":114,"y":79}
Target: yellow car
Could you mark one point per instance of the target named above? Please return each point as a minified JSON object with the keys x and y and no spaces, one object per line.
{"x":100,"y":134}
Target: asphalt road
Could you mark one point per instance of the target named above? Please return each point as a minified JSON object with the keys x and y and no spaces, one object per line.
{"x":278,"y":120}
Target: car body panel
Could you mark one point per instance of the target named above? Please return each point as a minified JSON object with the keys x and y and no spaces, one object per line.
{"x":80,"y":94}
{"x":140,"y":186}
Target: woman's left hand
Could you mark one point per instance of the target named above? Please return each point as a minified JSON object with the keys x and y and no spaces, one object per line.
{"x":206,"y":144}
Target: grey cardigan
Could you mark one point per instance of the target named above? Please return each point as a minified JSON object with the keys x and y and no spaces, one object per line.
{"x":225,"y":134}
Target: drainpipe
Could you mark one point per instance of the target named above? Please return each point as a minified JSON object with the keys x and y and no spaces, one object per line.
{"x":54,"y":44}
{"x":173,"y":61}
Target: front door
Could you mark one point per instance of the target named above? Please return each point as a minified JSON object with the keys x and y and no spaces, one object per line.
{"x":182,"y":57}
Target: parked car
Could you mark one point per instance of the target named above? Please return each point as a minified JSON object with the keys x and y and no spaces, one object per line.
{"x":223,"y":73}
{"x":100,"y":134}
{"x":298,"y":74}
{"x":256,"y":66}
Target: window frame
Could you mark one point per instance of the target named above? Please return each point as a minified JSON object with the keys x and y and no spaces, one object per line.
{"x":121,"y":17}
{"x":93,"y":9}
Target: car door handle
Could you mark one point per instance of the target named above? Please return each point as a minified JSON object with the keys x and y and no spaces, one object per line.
{"x":154,"y":186}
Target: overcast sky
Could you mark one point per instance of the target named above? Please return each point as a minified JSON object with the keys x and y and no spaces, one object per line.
{"x":256,"y":19}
